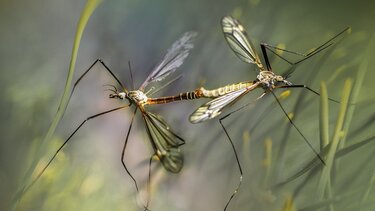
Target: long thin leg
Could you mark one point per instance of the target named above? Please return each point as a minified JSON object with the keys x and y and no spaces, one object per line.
{"x":123,"y":155}
{"x":307,"y":88}
{"x":328,"y":42}
{"x":93,"y":64}
{"x":265,"y":56}
{"x":295,"y":126}
{"x":305,"y":55}
{"x":67,"y":140}
{"x":148,"y":184}
{"x":237,"y":159}
{"x":123,"y":150}
{"x":131,"y":75}
{"x":243,"y":106}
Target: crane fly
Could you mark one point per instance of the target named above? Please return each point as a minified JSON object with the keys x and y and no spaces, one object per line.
{"x":237,"y":39}
{"x":165,"y":143}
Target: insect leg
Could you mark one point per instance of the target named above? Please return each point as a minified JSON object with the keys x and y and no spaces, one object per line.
{"x":305,"y":55}
{"x":298,"y":130}
{"x":148,"y":184}
{"x":67,"y":140}
{"x":237,"y":159}
{"x":93,"y":64}
{"x":307,"y":88}
{"x":265,"y":56}
{"x":123,"y":150}
{"x":131,"y":75}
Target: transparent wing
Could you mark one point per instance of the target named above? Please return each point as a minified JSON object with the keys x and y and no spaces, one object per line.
{"x":236,"y":36}
{"x":165,"y":143}
{"x":174,"y":58}
{"x":214,"y":107}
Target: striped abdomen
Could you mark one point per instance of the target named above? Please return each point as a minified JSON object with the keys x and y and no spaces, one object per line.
{"x":200,"y":93}
{"x":182,"y":96}
{"x":224,"y":90}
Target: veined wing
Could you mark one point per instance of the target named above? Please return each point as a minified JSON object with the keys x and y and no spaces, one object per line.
{"x":236,"y":36}
{"x":165,"y":143}
{"x":214,"y":107}
{"x":174,"y":58}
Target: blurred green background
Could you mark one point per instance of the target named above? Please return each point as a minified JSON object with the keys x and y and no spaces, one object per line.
{"x":35,"y":44}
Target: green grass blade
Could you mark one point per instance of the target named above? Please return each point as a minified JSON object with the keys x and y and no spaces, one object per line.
{"x":369,"y":188}
{"x":352,"y":147}
{"x":88,"y":10}
{"x":324,"y":130}
{"x":326,"y":173}
{"x":357,"y":87}
{"x":337,"y":199}
{"x":315,"y":164}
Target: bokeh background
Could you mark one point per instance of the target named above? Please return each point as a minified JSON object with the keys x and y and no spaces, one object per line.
{"x":35,"y":44}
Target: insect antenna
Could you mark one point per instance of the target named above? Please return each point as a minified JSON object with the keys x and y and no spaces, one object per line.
{"x":113,"y":88}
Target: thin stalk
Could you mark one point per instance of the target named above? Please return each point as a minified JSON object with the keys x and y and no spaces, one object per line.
{"x":357,"y":87}
{"x":324,"y":129}
{"x":267,"y":161}
{"x":327,"y":170}
{"x":324,"y":132}
{"x":369,"y":188}
{"x":88,"y":10}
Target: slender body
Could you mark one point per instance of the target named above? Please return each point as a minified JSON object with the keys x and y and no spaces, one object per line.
{"x":141,"y":98}
{"x":165,"y":143}
{"x":224,"y":90}
{"x":237,"y":39}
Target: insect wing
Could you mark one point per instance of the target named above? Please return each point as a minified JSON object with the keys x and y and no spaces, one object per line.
{"x":214,"y":107}
{"x":236,"y":36}
{"x":174,"y":58}
{"x":165,"y":142}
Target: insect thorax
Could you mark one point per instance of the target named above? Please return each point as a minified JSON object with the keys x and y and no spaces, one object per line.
{"x":269,"y":79}
{"x":137,"y":96}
